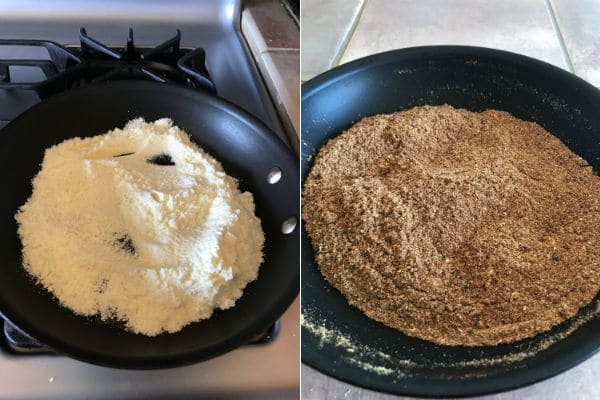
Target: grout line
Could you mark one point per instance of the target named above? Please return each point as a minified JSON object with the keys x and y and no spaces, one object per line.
{"x":349,"y":34}
{"x":281,"y":49}
{"x":560,"y":37}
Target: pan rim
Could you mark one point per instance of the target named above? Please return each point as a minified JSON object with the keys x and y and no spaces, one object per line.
{"x":350,"y":68}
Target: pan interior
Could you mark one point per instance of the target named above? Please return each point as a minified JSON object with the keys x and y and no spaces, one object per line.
{"x":247,"y":151}
{"x":341,"y":341}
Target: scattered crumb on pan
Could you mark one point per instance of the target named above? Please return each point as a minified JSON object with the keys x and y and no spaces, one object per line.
{"x":382,"y":363}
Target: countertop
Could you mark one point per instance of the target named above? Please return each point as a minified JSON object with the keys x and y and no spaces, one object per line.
{"x":274,"y":40}
{"x":562,"y":32}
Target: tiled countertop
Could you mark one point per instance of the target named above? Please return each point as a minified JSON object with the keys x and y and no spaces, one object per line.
{"x":274,"y":39}
{"x":562,"y":32}
{"x":565,"y":33}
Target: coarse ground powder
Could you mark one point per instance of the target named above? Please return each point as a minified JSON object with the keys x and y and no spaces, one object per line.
{"x":140,"y":225}
{"x":456,"y":227}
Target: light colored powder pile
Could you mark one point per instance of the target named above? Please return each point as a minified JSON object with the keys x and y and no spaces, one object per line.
{"x":141,"y":225}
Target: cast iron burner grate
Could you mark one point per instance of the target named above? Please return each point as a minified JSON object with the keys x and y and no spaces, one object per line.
{"x":95,"y":62}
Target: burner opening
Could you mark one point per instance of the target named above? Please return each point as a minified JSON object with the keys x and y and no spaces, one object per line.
{"x":22,"y":52}
{"x":25,"y":73}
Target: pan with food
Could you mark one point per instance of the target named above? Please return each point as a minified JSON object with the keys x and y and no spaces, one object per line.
{"x":247,"y":151}
{"x":435,"y":141}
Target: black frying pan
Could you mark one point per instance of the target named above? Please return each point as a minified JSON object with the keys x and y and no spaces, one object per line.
{"x":246,"y":148}
{"x":370,"y":354}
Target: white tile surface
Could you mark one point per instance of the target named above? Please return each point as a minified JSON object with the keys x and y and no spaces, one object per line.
{"x":579,"y":383}
{"x":579,"y":24}
{"x":326,"y":26}
{"x":521,"y":26}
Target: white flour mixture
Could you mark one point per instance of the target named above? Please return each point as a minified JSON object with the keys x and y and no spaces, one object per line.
{"x":141,"y":225}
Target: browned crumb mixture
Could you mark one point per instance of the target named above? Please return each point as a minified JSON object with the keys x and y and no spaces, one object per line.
{"x":457,"y":227}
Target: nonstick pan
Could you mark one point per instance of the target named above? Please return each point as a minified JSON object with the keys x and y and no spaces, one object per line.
{"x":340,"y":340}
{"x":247,"y":149}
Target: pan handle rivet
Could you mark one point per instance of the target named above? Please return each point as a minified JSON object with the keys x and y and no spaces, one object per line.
{"x":289,"y":225}
{"x":274,"y":175}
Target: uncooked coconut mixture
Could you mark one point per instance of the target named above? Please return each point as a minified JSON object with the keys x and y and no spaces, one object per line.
{"x":457,"y":227}
{"x":141,"y":225}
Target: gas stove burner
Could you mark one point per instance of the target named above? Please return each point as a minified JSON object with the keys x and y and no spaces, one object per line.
{"x":20,"y":342}
{"x":95,"y":62}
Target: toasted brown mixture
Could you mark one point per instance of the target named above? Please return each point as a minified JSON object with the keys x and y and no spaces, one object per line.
{"x":457,"y":227}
